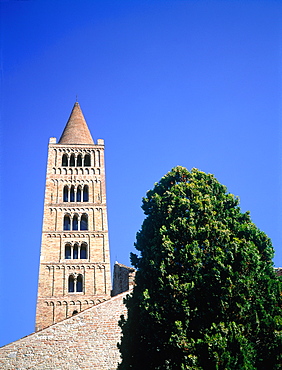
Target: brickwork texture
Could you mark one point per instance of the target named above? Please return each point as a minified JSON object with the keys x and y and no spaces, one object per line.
{"x":76,"y":318}
{"x":74,"y":269}
{"x":87,"y":340}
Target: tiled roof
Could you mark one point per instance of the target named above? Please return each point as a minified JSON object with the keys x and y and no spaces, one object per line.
{"x":76,"y":130}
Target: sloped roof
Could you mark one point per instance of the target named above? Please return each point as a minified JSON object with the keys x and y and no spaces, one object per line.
{"x":76,"y":130}
{"x":87,"y":340}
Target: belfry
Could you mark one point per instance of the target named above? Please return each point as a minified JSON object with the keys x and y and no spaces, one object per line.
{"x":77,"y":313}
{"x":74,"y":271}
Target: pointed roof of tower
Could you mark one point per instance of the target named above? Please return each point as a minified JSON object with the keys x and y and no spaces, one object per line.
{"x":76,"y":130}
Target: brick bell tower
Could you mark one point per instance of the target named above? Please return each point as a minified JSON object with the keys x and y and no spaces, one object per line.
{"x":74,"y":269}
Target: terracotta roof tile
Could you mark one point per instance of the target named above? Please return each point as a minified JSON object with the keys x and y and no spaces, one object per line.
{"x":76,"y":130}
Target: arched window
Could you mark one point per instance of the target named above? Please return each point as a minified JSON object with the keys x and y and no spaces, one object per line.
{"x":66,"y":194}
{"x":66,"y":222}
{"x":75,"y":252}
{"x":72,"y":160}
{"x":85,"y":193}
{"x":79,"y":283}
{"x":87,"y":160}
{"x":67,"y":252}
{"x":78,"y":194}
{"x":83,"y":251}
{"x":75,"y":312}
{"x":64,"y":160}
{"x":99,"y":159}
{"x":84,"y":222}
{"x":71,"y":284}
{"x":72,"y":194}
{"x":79,"y":161}
{"x":75,"y":222}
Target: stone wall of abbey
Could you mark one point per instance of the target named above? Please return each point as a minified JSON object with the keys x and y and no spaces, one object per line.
{"x":87,"y":340}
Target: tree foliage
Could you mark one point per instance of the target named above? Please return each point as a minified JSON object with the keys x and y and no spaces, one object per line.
{"x":206,"y":294}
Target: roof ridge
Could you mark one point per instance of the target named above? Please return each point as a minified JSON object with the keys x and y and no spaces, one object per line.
{"x":79,"y":314}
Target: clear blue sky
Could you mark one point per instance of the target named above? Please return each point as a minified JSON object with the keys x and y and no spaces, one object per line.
{"x":164,"y":83}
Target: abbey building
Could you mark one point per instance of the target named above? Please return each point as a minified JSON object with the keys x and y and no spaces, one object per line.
{"x":76,"y":306}
{"x":74,"y":262}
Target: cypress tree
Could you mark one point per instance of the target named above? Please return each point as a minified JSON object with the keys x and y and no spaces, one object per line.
{"x":206,"y":294}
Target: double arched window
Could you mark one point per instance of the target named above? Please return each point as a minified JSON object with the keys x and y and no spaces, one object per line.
{"x":79,"y":160}
{"x":75,"y":222}
{"x":68,"y":252}
{"x":85,"y":193}
{"x":76,"y":161}
{"x":72,"y":160}
{"x":75,"y":283}
{"x":87,"y":160}
{"x":83,"y":251}
{"x":66,"y":194}
{"x":66,"y":222}
{"x":78,"y":194}
{"x":76,"y":251}
{"x":84,"y":222}
{"x":72,"y":194}
{"x":65,"y":160}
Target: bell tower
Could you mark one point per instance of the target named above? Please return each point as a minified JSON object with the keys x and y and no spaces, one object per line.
{"x":74,"y":271}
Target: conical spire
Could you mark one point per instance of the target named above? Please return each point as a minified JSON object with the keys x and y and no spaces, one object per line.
{"x":76,"y":130}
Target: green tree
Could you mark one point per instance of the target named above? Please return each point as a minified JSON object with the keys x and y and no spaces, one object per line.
{"x":206,"y":294}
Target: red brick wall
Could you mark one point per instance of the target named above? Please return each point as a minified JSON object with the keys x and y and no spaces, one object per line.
{"x":87,"y":340}
{"x":55,"y":302}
